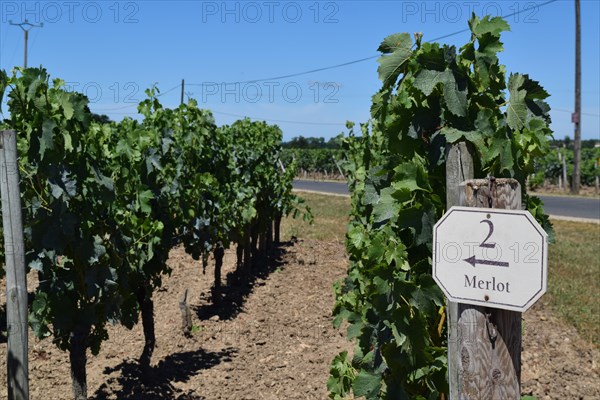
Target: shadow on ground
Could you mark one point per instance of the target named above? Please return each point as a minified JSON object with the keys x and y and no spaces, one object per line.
{"x":3,"y":324}
{"x":230,"y":299}
{"x":3,"y":317}
{"x":178,"y":367}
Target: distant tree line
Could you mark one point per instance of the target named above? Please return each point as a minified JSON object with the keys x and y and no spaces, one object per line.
{"x":301,"y":142}
{"x":567,"y":142}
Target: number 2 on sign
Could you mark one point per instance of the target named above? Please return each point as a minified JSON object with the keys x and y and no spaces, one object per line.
{"x":491,"y":227}
{"x":473,"y":260}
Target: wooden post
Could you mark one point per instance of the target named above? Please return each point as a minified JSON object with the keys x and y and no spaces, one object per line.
{"x":338,"y":167}
{"x":16,"y":282}
{"x":560,"y":176}
{"x":564,"y":172}
{"x":484,"y":354}
{"x":597,"y":178}
{"x":186,"y":315}
{"x":459,"y":168}
{"x":489,"y":339}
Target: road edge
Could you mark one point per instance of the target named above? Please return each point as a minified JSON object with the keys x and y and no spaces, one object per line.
{"x":574,"y":219}
{"x":552,"y":217}
{"x":321,"y":193}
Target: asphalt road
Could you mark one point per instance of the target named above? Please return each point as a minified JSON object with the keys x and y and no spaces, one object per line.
{"x":575,"y":207}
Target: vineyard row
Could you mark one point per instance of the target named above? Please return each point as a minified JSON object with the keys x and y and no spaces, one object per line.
{"x":105,"y":202}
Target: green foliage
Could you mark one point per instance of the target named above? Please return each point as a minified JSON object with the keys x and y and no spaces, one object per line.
{"x":313,"y":160}
{"x":550,"y":166}
{"x":105,"y":202}
{"x":301,"y":142}
{"x":342,"y":376}
{"x":66,"y":194}
{"x":262,"y":192}
{"x":431,"y":96}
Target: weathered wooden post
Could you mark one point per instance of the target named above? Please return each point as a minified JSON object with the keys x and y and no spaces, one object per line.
{"x":488,"y":339}
{"x":564,"y":172}
{"x":560,"y":176}
{"x":186,"y":315}
{"x":16,"y":283}
{"x":459,"y":168}
{"x":494,"y":264}
{"x":339,"y":168}
{"x":597,"y":177}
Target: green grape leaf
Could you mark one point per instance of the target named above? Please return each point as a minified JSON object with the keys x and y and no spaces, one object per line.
{"x":455,"y":97}
{"x":390,"y":66}
{"x":397,"y":41}
{"x":500,"y":148}
{"x":454,"y":135}
{"x":65,"y":102}
{"x":427,"y":79}
{"x":387,"y":206}
{"x":47,"y":138}
{"x":484,"y":123}
{"x":516,"y":113}
{"x":490,"y":25}
{"x":144,"y":197}
{"x":367,"y":384}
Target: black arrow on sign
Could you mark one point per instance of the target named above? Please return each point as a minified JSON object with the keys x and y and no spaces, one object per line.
{"x":472,"y":260}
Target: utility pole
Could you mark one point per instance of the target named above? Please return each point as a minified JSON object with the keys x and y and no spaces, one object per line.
{"x":26,"y":26}
{"x":576,"y":118}
{"x":182,"y":89}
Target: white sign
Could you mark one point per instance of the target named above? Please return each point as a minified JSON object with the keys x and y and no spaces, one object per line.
{"x":490,"y":257}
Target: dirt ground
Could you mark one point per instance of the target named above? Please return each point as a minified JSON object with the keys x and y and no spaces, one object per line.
{"x":272,"y":338}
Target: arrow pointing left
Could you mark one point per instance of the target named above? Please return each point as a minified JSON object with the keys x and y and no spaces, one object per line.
{"x":472,"y":260}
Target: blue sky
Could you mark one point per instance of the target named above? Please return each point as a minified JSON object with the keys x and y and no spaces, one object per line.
{"x":114,"y":50}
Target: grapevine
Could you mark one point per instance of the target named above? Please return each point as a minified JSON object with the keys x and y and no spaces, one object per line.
{"x":105,"y":202}
{"x":432,"y":96}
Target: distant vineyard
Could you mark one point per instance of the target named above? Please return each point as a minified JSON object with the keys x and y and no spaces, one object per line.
{"x":549,"y":168}
{"x":104,"y":203}
{"x":309,"y":162}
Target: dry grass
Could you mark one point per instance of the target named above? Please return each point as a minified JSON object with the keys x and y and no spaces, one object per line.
{"x":330,"y":219}
{"x":574,"y":276}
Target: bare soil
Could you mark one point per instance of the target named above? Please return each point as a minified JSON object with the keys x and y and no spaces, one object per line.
{"x":272,"y":338}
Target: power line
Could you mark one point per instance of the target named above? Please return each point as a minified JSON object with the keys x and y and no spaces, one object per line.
{"x":35,"y":36}
{"x":533,"y":7}
{"x":293,"y":75}
{"x":168,"y":91}
{"x":12,"y":57}
{"x":570,"y":112}
{"x":275,"y":78}
{"x":311,"y":71}
{"x":2,"y":40}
